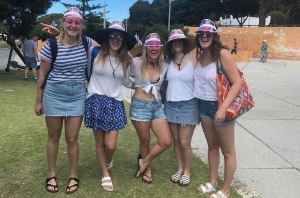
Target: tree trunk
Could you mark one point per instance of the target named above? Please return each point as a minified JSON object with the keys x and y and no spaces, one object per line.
{"x":261,"y":13}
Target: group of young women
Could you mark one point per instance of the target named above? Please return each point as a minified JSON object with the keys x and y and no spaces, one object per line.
{"x":191,"y":98}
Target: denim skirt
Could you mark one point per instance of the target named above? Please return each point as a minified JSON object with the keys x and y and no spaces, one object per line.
{"x":104,"y":114}
{"x":144,"y":110}
{"x":64,"y":99}
{"x":183,"y":112}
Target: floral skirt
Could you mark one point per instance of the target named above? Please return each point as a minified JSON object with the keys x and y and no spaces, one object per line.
{"x":104,"y":114}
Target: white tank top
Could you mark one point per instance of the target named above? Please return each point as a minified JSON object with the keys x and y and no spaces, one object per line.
{"x":205,"y":82}
{"x":180,"y":83}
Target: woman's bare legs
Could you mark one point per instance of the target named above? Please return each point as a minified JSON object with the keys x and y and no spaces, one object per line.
{"x":54,"y":127}
{"x":72,"y":128}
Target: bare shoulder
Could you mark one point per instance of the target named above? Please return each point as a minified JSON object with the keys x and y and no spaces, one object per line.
{"x":192,"y":57}
{"x":226,"y":58}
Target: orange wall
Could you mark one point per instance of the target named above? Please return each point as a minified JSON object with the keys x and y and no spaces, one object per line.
{"x":284,"y":42}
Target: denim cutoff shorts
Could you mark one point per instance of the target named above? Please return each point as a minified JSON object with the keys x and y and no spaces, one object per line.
{"x":30,"y":62}
{"x":64,"y":99}
{"x":208,"y":110}
{"x":183,"y":112}
{"x":143,"y":110}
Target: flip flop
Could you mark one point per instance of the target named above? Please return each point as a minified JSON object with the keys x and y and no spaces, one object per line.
{"x":47,"y":185}
{"x":76,"y":185}
{"x":148,"y":180}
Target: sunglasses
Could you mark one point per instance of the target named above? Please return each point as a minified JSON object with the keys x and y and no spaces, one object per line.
{"x":116,"y":37}
{"x":207,"y":34}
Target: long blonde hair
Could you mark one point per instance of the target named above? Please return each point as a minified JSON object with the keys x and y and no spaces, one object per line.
{"x":145,"y":62}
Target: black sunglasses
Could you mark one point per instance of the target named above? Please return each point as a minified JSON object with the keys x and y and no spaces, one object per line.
{"x":207,"y":34}
{"x":115,"y":36}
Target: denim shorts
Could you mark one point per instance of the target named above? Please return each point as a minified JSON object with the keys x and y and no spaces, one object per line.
{"x":64,"y":99}
{"x":208,"y":110}
{"x":143,"y":110}
{"x":183,"y":112}
{"x":30,"y":62}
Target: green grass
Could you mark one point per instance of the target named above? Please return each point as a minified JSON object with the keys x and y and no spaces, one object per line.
{"x":23,"y":166}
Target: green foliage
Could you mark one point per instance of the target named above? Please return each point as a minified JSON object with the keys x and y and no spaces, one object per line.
{"x":20,"y":16}
{"x":278,"y":18}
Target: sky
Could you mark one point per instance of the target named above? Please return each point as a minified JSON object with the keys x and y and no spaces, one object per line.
{"x":118,"y":9}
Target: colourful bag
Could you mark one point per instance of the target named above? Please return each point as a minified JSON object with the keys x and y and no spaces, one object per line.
{"x":242,"y":103}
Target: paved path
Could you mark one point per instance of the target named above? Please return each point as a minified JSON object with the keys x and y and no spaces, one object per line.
{"x":267,"y":137}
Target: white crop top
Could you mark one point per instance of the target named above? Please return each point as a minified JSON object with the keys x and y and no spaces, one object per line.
{"x":205,"y":87}
{"x":107,"y":79}
{"x":180,"y":83}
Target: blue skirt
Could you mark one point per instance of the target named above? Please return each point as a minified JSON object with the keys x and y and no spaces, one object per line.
{"x":104,"y":114}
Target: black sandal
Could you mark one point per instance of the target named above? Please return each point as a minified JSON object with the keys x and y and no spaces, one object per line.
{"x":148,"y":180}
{"x":68,"y":191}
{"x":47,"y":185}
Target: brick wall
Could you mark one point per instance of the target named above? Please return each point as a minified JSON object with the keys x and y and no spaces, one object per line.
{"x":284,"y":42}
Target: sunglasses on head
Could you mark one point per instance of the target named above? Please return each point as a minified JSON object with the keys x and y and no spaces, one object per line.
{"x":115,"y":36}
{"x":207,"y":34}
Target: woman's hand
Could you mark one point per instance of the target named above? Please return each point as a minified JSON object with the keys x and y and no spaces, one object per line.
{"x":220,"y":115}
{"x":50,"y":29}
{"x":38,"y":108}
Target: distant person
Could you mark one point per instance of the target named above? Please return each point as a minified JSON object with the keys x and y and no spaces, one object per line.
{"x":31,"y":56}
{"x":263,"y":51}
{"x":235,"y":46}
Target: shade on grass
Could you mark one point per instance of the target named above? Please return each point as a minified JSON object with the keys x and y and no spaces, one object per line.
{"x":23,"y":166}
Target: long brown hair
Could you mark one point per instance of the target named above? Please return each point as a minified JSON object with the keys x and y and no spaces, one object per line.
{"x":215,"y":48}
{"x":122,"y":54}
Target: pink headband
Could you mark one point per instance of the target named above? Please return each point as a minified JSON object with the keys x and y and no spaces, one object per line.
{"x":73,"y":12}
{"x":153,"y":39}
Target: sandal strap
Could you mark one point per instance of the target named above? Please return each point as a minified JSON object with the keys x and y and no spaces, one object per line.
{"x":74,"y":179}
{"x":106,"y":181}
{"x":74,"y":185}
{"x":49,"y":178}
{"x":207,"y":187}
{"x":176,"y":176}
{"x":219,"y":194}
{"x":185,"y":179}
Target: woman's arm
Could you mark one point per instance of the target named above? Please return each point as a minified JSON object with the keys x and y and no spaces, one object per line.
{"x":44,"y":68}
{"x":232,"y":73}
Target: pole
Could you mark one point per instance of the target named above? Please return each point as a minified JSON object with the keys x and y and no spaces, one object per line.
{"x":169,"y":18}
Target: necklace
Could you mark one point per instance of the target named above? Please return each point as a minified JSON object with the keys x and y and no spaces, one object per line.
{"x":152,"y":63}
{"x":178,"y":64}
{"x":114,"y":69}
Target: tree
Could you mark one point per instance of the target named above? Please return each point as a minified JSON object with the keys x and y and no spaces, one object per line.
{"x":241,"y":9}
{"x":263,"y":7}
{"x":19,"y":16}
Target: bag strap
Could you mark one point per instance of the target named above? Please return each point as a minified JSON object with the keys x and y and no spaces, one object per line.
{"x":94,"y":54}
{"x":85,"y":43}
{"x":53,"y":48}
